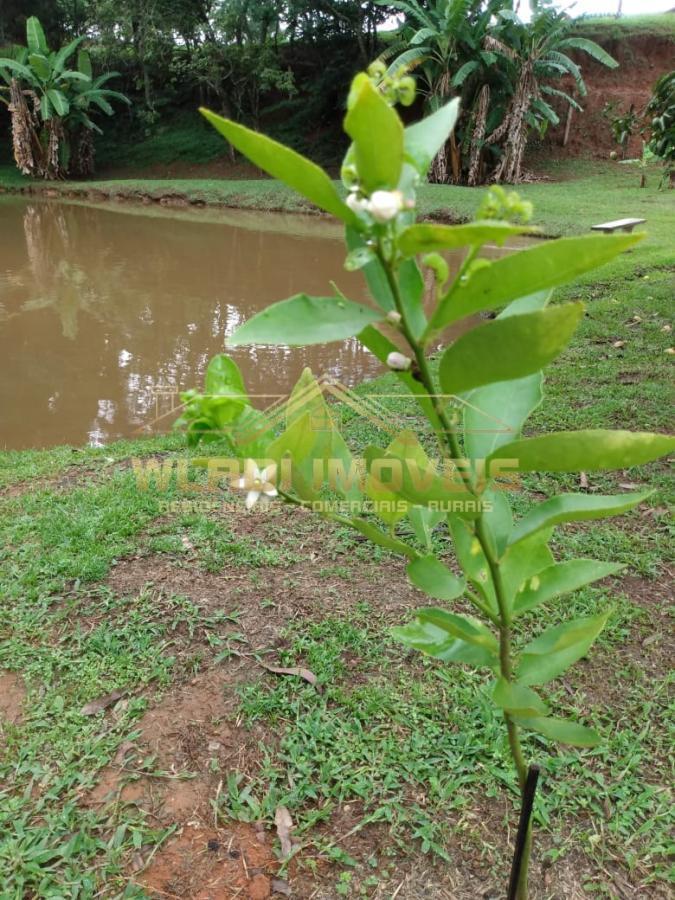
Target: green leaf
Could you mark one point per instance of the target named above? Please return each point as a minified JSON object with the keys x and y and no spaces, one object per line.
{"x":59,"y":102}
{"x":411,"y":286}
{"x":464,"y":71}
{"x":380,"y":346}
{"x":526,"y":272}
{"x":554,"y":651}
{"x":307,"y":398}
{"x":302,"y":320}
{"x":494,"y":416}
{"x":249,"y":434}
{"x":387,"y":502}
{"x":374,"y":273}
{"x":428,"y":638}
{"x":45,"y":108}
{"x":285,"y":164}
{"x":223,"y":377}
{"x":518,"y":699}
{"x":16,"y":68}
{"x":561,"y":578}
{"x":424,"y":139}
{"x":421,"y":483}
{"x":35,"y":36}
{"x":465,"y":628}
{"x":574,"y":508}
{"x":431,"y":576}
{"x":507,"y":348}
{"x":585,"y":451}
{"x":523,"y":561}
{"x":450,"y":637}
{"x":72,"y":75}
{"x":84,"y":64}
{"x":411,"y":283}
{"x":102,"y":104}
{"x":427,"y":238}
{"x":473,"y":560}
{"x":562,"y":730}
{"x":377,"y":536}
{"x":423,"y":522}
{"x":590,"y":47}
{"x":64,"y":53}
{"x":41,"y":66}
{"x":531,"y":303}
{"x":359,"y":258}
{"x":297,"y":441}
{"x":499,"y":520}
{"x":377,"y":132}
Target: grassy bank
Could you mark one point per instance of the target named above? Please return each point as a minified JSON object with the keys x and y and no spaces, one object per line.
{"x":570,"y":197}
{"x":398,"y":784}
{"x":600,"y":28}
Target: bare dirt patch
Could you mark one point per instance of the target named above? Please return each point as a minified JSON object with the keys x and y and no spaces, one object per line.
{"x":194,"y":736}
{"x":208,"y":864}
{"x":12,"y":697}
{"x":321,"y":579}
{"x":189,"y":741}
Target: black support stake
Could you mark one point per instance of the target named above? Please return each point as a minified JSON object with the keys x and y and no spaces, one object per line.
{"x":523,"y":823}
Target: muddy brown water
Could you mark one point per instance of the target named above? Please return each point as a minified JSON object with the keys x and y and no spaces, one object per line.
{"x":107,"y":312}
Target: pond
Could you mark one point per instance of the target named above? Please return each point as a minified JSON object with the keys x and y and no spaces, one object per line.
{"x":107,"y":312}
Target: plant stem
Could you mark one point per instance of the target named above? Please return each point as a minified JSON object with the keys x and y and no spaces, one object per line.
{"x":504,"y":621}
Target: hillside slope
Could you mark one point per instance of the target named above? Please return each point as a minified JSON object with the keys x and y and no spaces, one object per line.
{"x":644,"y":47}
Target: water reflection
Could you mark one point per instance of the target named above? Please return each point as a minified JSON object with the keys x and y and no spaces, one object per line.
{"x":101,"y":311}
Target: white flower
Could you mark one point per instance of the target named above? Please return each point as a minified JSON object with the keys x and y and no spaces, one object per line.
{"x":398,"y":362}
{"x":355,"y":203}
{"x":385,"y":205}
{"x":257,"y":483}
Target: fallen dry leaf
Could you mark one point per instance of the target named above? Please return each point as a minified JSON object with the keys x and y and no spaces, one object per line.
{"x":306,"y":674}
{"x":124,"y":749}
{"x":102,"y":703}
{"x":618,"y":345}
{"x":652,"y":639}
{"x":279,"y":886}
{"x":284,"y":826}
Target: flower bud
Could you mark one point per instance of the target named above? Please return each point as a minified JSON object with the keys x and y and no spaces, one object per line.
{"x":356,"y":203}
{"x":393,"y":317}
{"x":377,"y":69}
{"x":406,"y":91}
{"x":385,"y":205}
{"x":438,"y":266}
{"x":349,"y":176}
{"x":398,"y":362}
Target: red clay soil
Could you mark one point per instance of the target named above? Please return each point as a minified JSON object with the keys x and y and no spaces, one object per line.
{"x":169,"y":777}
{"x":199,"y":864}
{"x":12,"y":696}
{"x":642,"y":61}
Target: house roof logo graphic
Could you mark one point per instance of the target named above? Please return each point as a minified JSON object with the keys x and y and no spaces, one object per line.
{"x":390,"y":412}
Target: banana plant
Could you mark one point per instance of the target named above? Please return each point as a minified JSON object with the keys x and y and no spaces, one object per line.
{"x":506,"y":71}
{"x":661,"y":108}
{"x":491,"y":601}
{"x":50,"y":104}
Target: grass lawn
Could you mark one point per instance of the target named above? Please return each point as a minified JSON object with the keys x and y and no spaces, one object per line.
{"x":145,"y":747}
